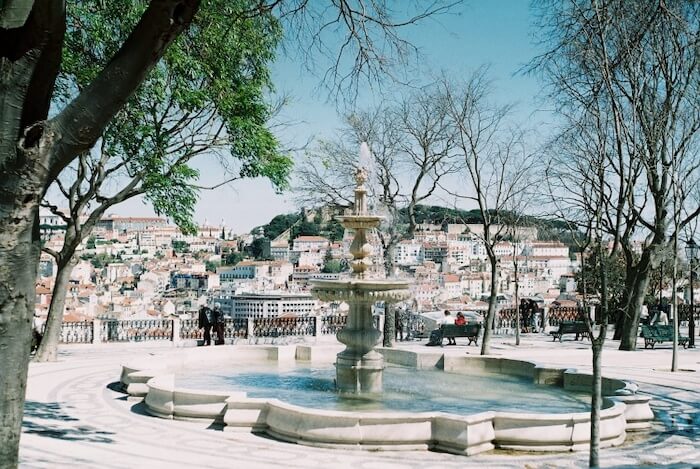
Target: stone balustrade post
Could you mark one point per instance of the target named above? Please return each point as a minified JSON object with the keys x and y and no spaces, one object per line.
{"x":96,"y":331}
{"x":545,"y":319}
{"x":318,"y":320}
{"x":591,"y":313}
{"x":250,"y":328}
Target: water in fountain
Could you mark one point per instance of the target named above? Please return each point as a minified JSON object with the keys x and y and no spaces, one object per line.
{"x":404,"y":390}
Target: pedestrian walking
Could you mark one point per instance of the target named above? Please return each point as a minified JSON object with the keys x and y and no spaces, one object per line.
{"x":219,"y":322}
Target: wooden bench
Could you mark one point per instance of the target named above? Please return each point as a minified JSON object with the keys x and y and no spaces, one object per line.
{"x":659,"y":333}
{"x":571,"y":327}
{"x":470,"y":331}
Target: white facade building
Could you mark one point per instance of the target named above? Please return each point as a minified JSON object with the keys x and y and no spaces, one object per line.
{"x":408,"y":252}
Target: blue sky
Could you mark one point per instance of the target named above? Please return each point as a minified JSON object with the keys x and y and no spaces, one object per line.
{"x":497,"y":33}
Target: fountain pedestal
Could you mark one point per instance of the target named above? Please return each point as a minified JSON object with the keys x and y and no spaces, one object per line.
{"x":359,"y":367}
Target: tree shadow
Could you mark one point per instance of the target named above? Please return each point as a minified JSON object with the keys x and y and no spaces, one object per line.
{"x":51,"y":420}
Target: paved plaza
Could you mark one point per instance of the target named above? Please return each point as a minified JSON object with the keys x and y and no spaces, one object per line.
{"x":74,"y":417}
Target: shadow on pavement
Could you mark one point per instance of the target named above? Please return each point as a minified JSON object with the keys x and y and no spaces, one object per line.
{"x":50,"y":419}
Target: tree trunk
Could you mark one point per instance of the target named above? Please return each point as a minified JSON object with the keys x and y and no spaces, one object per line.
{"x":517,"y":307}
{"x":491,"y":314}
{"x":632,"y":310}
{"x":19,"y":256}
{"x":48,"y":349}
{"x":596,"y":403}
{"x":389,"y":332}
{"x":389,"y":325}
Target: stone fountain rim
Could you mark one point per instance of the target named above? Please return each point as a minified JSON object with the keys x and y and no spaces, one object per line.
{"x":460,"y":434}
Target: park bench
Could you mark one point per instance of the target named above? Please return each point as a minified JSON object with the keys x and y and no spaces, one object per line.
{"x":571,"y":327}
{"x":470,"y":331}
{"x":659,"y":333}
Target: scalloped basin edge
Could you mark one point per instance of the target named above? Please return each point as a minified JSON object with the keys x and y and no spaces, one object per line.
{"x":623,"y":409}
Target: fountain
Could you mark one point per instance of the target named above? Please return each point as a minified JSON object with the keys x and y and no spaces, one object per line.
{"x":359,"y":367}
{"x":423,"y":406}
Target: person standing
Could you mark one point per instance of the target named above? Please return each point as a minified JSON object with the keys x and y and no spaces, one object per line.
{"x":219,"y":321}
{"x":205,"y":322}
{"x":398,"y":326}
{"x":38,"y":326}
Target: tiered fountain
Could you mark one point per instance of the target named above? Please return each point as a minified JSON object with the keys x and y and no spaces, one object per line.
{"x":359,"y":367}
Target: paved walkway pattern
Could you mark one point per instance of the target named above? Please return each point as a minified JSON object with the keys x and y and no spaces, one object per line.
{"x":73,"y":418}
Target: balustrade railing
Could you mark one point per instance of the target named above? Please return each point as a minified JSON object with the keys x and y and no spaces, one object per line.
{"x":236,"y":328}
{"x":189,"y":329}
{"x":557,"y":315}
{"x":505,"y":318}
{"x":411,"y":325}
{"x":284,"y":327}
{"x":77,"y":332}
{"x":684,"y":313}
{"x":330,"y":325}
{"x":136,"y":330}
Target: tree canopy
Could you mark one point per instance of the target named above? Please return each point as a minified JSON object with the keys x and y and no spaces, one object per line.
{"x":207,"y":95}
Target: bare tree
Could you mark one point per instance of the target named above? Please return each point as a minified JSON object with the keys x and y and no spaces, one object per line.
{"x":584,"y":209}
{"x":637,"y":64}
{"x":495,"y":169}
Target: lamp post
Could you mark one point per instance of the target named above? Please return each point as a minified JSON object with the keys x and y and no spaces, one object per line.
{"x":691,"y":251}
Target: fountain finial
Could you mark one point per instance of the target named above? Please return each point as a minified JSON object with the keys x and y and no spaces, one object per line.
{"x":360,"y":191}
{"x":361,"y":176}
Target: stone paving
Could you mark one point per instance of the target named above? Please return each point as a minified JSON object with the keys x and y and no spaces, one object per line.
{"x":74,"y":418}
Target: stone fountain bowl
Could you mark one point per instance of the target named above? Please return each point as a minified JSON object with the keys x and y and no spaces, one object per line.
{"x":360,"y":221}
{"x":389,"y":290}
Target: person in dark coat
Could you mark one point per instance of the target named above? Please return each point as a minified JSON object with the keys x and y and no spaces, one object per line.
{"x":205,"y":322}
{"x":524,"y":314}
{"x":219,"y":321}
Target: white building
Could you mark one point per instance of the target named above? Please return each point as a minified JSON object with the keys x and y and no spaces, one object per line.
{"x":310,"y":243}
{"x":408,"y":252}
{"x":272,"y":305}
{"x":547,"y":249}
{"x":277,"y":272}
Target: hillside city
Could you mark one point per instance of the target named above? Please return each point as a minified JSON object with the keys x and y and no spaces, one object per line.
{"x":146,"y":268}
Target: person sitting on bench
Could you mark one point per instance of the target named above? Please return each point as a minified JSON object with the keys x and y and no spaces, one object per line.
{"x":460,"y":320}
{"x":447,"y":319}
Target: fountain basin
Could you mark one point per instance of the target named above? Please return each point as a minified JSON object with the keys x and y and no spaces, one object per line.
{"x":359,"y":290}
{"x":461,"y":434}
